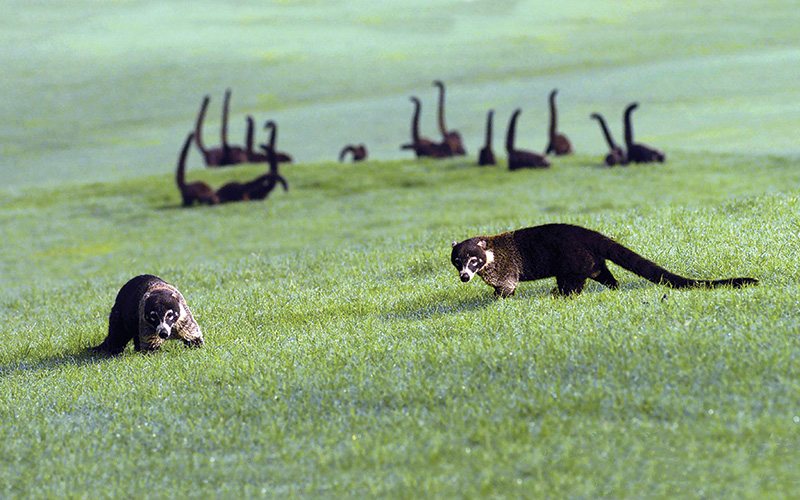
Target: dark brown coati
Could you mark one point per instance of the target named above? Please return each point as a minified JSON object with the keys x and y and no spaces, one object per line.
{"x":639,"y":153}
{"x":281,"y":157}
{"x":225,"y":155}
{"x":232,"y":191}
{"x":452,"y":138}
{"x":423,"y":146}
{"x":616,"y":155}
{"x":359,"y":152}
{"x":559,"y":144}
{"x":260,"y":187}
{"x":572,"y":254}
{"x":486,"y":155}
{"x":149,"y":310}
{"x":520,"y":158}
{"x":197,"y":191}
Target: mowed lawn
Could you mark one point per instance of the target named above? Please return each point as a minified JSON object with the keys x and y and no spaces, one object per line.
{"x":343,"y":357}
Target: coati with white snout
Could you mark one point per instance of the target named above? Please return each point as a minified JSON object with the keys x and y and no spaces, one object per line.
{"x":197,"y":191}
{"x":572,"y":254}
{"x":150,"y":311}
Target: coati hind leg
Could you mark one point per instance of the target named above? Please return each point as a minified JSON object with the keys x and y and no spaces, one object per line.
{"x":605,"y":278}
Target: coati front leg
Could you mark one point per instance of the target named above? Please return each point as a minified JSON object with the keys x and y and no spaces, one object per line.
{"x":569,"y":284}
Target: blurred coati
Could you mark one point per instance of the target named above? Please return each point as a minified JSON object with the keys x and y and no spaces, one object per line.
{"x":486,"y":155}
{"x":559,"y":144}
{"x":452,"y":138}
{"x":225,"y":155}
{"x":149,"y":311}
{"x":616,"y":155}
{"x":423,"y":146}
{"x":256,"y":189}
{"x":520,"y":158}
{"x":197,"y":191}
{"x":572,"y":254}
{"x":281,"y":157}
{"x":639,"y":153}
{"x":359,"y":152}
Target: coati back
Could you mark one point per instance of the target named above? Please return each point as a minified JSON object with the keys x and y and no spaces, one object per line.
{"x":197,"y":191}
{"x":639,"y":153}
{"x":149,"y":311}
{"x":616,"y":155}
{"x":359,"y":152}
{"x":572,"y":254}
{"x":486,"y":155}
{"x":520,"y":158}
{"x":558,"y":144}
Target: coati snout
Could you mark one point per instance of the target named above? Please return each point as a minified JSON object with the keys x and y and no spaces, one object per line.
{"x":161,"y":310}
{"x":469,"y":257}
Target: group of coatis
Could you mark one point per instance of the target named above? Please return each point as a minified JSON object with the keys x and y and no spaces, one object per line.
{"x":150,"y":311}
{"x":558,"y":143}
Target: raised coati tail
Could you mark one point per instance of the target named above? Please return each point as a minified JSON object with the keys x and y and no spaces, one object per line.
{"x":251,"y":125}
{"x":198,"y":127}
{"x":273,"y":132}
{"x":489,"y":131}
{"x":606,"y":132}
{"x":442,"y":127}
{"x":628,"y":126}
{"x":553,"y":122}
{"x":224,"y":127}
{"x":415,"y":121}
{"x":344,"y":151}
{"x":512,"y":130}
{"x":630,"y":260}
{"x":180,"y":174}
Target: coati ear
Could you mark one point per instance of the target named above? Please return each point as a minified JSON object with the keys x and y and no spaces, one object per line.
{"x":174,"y":295}
{"x":482,"y":243}
{"x":455,"y":243}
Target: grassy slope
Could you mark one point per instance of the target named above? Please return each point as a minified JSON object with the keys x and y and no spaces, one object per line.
{"x":344,"y":356}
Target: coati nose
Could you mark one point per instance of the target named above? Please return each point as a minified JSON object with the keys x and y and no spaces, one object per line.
{"x":163,"y":334}
{"x":465,"y":277}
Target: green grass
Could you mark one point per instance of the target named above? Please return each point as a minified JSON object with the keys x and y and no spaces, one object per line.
{"x":343,"y":357}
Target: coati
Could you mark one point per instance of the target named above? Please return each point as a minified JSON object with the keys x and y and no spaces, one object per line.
{"x":451,"y":137}
{"x":256,"y":189}
{"x":253,"y":156}
{"x":197,"y":191}
{"x":559,"y":144}
{"x":616,"y":155}
{"x":572,"y":254}
{"x":359,"y":152}
{"x":225,"y":155}
{"x":520,"y":158}
{"x":149,"y":311}
{"x":639,"y":153}
{"x":423,"y":146}
{"x":281,"y":157}
{"x":486,"y":155}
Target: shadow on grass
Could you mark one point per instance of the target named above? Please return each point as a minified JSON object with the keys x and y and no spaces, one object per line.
{"x":424,"y":308}
{"x":76,"y":358}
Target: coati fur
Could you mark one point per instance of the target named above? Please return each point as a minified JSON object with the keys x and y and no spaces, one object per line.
{"x":520,"y":158}
{"x":197,"y":191}
{"x":572,"y":254}
{"x":359,"y":152}
{"x":486,"y":155}
{"x":281,"y":157}
{"x":225,"y":155}
{"x":639,"y":153}
{"x":559,"y":144}
{"x":256,"y":189}
{"x":452,"y":138}
{"x":423,"y":146}
{"x":150,"y":311}
{"x":616,"y":155}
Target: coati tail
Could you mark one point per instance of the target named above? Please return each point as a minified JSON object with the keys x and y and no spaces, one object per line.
{"x":553,"y":122}
{"x":440,"y":116}
{"x":180,"y":174}
{"x":606,"y":132}
{"x":415,"y":121}
{"x":489,"y":117}
{"x":251,"y":125}
{"x":344,"y":151}
{"x":628,"y":126}
{"x":630,"y":260}
{"x":512,"y":130}
{"x":198,"y":127}
{"x":224,"y":127}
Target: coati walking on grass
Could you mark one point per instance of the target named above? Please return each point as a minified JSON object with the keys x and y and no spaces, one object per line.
{"x":639,"y":153}
{"x":452,"y":138}
{"x":616,"y":155}
{"x":149,"y":310}
{"x":359,"y":152}
{"x":197,"y":191}
{"x":520,"y":158}
{"x":559,"y":144}
{"x":572,"y":254}
{"x":486,"y":155}
{"x":423,"y":146}
{"x":225,"y":155}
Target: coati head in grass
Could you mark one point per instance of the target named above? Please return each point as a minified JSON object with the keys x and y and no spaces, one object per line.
{"x":470,"y":256}
{"x":162,"y":308}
